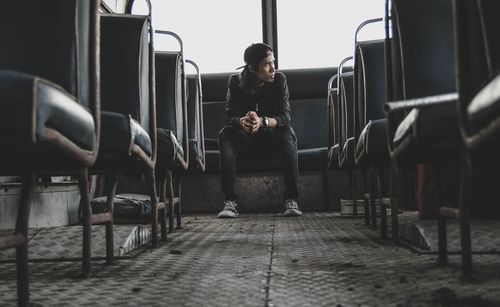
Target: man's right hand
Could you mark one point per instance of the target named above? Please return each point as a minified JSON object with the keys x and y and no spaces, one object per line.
{"x":250,"y":122}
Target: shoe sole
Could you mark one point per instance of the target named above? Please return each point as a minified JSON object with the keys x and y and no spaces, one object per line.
{"x":293,"y":212}
{"x":227,"y":215}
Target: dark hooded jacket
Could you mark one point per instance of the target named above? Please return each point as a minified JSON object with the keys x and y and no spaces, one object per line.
{"x":270,"y":100}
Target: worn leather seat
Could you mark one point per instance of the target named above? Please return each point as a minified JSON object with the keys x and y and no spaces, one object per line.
{"x":34,"y":108}
{"x":477,"y":64}
{"x":170,"y":102}
{"x":49,"y":106}
{"x":422,"y":118}
{"x":121,"y":134}
{"x":428,"y":133}
{"x":126,"y":142}
{"x":371,"y":123}
{"x":195,"y":122}
{"x":333,"y":124}
{"x":346,"y":142}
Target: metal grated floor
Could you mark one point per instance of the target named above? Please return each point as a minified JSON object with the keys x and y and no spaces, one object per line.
{"x":264,"y":260}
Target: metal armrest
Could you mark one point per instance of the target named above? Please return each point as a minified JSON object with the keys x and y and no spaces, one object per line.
{"x":421,"y":102}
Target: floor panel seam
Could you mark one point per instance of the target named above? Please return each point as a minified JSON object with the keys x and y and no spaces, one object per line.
{"x":270,"y":268}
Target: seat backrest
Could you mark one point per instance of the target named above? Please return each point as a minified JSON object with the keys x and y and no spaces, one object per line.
{"x":369,"y":70}
{"x":333,"y":111}
{"x":38,"y":39}
{"x":424,"y":47}
{"x":308,"y":105}
{"x":346,"y":107}
{"x":125,"y":67}
{"x":195,"y":120}
{"x":478,"y":49}
{"x":421,"y":54}
{"x":169,"y":97}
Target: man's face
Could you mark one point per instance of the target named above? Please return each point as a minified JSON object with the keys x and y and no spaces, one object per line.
{"x":266,"y":69}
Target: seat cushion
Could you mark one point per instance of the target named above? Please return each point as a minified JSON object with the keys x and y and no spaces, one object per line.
{"x":309,"y":160}
{"x":347,"y":158}
{"x":428,"y":134}
{"x":120,"y":134}
{"x":485,"y":105}
{"x":313,"y":159}
{"x":169,"y":148}
{"x":333,"y":157}
{"x":33,"y":108}
{"x":196,"y":155}
{"x":372,"y":149}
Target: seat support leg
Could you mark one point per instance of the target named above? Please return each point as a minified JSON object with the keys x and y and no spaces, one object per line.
{"x":86,"y":218}
{"x":154,"y":208}
{"x":111,"y":182}
{"x":22,"y":222}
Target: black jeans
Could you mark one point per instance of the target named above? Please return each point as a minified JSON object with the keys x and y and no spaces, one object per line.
{"x":280,"y":142}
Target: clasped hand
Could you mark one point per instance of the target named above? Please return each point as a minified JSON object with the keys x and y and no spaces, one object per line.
{"x":251,"y":122}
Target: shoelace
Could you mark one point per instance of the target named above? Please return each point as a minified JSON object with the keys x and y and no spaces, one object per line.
{"x":230,"y":205}
{"x":291,"y":204}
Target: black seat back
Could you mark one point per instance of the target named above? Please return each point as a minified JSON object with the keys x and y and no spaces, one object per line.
{"x":195,"y":120}
{"x":422,"y":52}
{"x":125,"y":74}
{"x":171,"y":99}
{"x":346,"y":107}
{"x":308,"y":105}
{"x":478,"y":50}
{"x":37,"y":39}
{"x":370,"y":82}
{"x":333,"y":111}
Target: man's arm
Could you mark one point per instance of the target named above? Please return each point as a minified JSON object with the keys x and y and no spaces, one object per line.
{"x":232,"y":105}
{"x":282,"y":117}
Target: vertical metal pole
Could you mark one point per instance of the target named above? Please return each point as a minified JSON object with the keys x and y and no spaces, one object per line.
{"x":366,"y":199}
{"x":163,"y":199}
{"x":154,"y":208}
{"x":111,"y":183}
{"x":23,"y":213}
{"x":383,"y":211}
{"x":464,"y":218}
{"x":86,"y":222}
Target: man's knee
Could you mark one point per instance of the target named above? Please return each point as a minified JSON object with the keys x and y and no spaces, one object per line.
{"x":288,"y":134}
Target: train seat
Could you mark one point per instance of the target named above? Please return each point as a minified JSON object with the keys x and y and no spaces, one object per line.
{"x":371,"y":148}
{"x":172,"y":125}
{"x":422,"y":117}
{"x":195,"y":121}
{"x":49,"y":101}
{"x":477,"y":66}
{"x":128,"y":143}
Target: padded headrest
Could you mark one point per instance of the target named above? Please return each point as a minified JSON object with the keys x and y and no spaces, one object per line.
{"x":214,"y":86}
{"x":425,"y":31}
{"x":313,"y":87}
{"x":125,"y":66}
{"x":40,"y":38}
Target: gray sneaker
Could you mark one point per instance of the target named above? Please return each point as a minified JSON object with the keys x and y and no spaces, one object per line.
{"x":230,"y":210}
{"x":292,"y":208}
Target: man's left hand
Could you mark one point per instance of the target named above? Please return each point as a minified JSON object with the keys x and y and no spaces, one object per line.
{"x":255,"y":120}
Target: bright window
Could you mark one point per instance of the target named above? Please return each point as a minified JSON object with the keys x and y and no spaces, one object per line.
{"x":320,"y":33}
{"x":215,"y":33}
